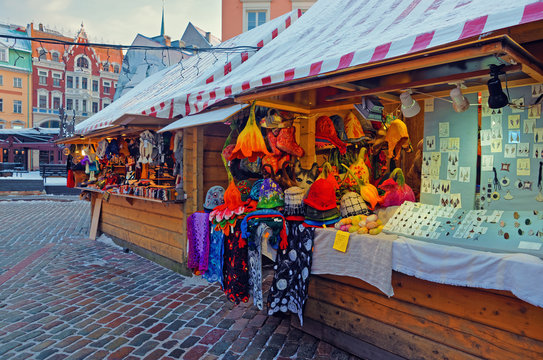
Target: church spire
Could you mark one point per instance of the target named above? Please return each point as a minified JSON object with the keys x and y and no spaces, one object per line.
{"x":162,"y":27}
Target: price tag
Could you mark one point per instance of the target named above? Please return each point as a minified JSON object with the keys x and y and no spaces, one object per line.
{"x":341,"y":241}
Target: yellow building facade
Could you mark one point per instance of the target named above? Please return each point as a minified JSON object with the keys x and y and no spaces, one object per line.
{"x":15,"y":99}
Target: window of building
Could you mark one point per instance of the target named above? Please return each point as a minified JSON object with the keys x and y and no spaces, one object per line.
{"x":56,"y":79}
{"x":17,"y":124}
{"x":43,"y":77}
{"x":1,"y":105}
{"x":69,"y":82}
{"x":4,"y":54}
{"x":50,"y":124}
{"x":42,"y":54}
{"x":76,"y":82}
{"x":76,"y":105}
{"x":95,"y":85}
{"x":95,"y":107}
{"x":42,"y":101}
{"x":84,"y":83}
{"x":107,"y":87}
{"x":69,"y":104}
{"x":17,"y":106}
{"x":255,"y":18}
{"x":116,"y":69}
{"x":106,"y":66}
{"x":55,"y":57}
{"x":104,"y":104}
{"x":56,"y":102}
{"x":84,"y":106}
{"x":1,"y":80}
{"x":82,"y":63}
{"x":2,"y":124}
{"x":17,"y":82}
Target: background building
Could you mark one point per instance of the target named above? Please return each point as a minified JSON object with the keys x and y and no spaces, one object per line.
{"x":241,"y":15}
{"x":79,"y":78}
{"x":15,"y":79}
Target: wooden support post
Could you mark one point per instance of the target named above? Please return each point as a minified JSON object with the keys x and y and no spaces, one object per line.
{"x":95,"y":218}
{"x":307,"y":141}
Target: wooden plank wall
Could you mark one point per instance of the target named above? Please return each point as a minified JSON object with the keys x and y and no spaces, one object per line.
{"x":423,"y":320}
{"x":158,"y":227}
{"x":214,"y":172}
{"x":192,"y":164}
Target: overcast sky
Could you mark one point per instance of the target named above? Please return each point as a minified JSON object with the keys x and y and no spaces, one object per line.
{"x":114,"y":21}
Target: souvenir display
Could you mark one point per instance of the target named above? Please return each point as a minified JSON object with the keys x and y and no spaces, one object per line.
{"x":512,"y":176}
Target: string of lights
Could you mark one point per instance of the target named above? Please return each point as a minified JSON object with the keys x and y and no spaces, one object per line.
{"x":240,"y":49}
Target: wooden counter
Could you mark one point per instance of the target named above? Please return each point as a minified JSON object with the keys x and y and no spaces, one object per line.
{"x":423,"y":320}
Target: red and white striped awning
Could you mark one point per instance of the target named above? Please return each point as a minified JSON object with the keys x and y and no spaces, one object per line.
{"x":154,"y":95}
{"x":334,"y":35}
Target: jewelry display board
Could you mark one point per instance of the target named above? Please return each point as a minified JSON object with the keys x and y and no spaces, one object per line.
{"x":449,"y":161}
{"x":487,"y":230}
{"x":512,"y":153}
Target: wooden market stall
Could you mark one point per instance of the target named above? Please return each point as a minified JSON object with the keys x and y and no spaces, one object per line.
{"x":423,"y":319}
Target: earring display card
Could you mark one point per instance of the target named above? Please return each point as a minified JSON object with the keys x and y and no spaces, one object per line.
{"x":446,"y":180}
{"x":487,"y":230}
{"x":513,"y":179}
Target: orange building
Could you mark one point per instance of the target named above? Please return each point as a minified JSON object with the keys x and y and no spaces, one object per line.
{"x":241,"y":15}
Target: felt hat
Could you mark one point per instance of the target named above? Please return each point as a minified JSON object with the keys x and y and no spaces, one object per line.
{"x":339,"y":125}
{"x":352,"y":204}
{"x":324,"y":130}
{"x":214,"y":197}
{"x":294,"y":201}
{"x":271,"y":195}
{"x":353,"y":128}
{"x":321,"y":195}
{"x":396,"y":137}
{"x":255,"y":189}
{"x":321,"y":215}
{"x":244,"y":188}
{"x":227,"y":151}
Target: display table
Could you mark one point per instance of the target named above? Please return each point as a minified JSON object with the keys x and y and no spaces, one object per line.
{"x":152,"y":228}
{"x":351,"y":308}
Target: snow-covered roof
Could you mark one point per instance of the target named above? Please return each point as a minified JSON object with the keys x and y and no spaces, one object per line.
{"x":18,"y":44}
{"x":202,"y":69}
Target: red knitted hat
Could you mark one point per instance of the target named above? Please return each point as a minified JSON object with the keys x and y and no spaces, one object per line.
{"x":321,"y":195}
{"x":325,"y":130}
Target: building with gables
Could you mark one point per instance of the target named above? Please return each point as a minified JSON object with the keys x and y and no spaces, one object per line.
{"x":81,"y":79}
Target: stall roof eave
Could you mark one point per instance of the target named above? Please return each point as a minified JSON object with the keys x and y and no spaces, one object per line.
{"x":209,"y":117}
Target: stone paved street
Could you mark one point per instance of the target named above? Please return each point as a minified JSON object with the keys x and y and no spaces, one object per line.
{"x":63,"y":296}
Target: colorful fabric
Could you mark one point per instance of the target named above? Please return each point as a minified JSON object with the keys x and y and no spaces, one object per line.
{"x":236,"y":269}
{"x":255,"y":190}
{"x":321,"y":195}
{"x":324,"y":130}
{"x":214,"y":271}
{"x":352,"y":204}
{"x":294,"y":201}
{"x":244,"y":188}
{"x":274,"y":219}
{"x":314,"y":223}
{"x":214,"y":197}
{"x":198,"y":238}
{"x":339,"y":125}
{"x":353,"y":128}
{"x":271,"y":195}
{"x":261,"y":234}
{"x":321,"y":215}
{"x":292,"y":268}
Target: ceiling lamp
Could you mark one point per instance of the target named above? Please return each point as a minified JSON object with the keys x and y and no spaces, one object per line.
{"x":459,"y":101}
{"x":410,"y":107}
{"x":496,"y":97}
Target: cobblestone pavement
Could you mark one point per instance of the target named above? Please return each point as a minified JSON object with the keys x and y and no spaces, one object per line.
{"x":63,"y":296}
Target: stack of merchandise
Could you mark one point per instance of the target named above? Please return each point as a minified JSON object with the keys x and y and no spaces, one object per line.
{"x":321,"y":208}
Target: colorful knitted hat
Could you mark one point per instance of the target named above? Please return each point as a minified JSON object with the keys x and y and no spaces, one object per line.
{"x":244,"y":188}
{"x":255,"y":190}
{"x":214,"y":197}
{"x":397,"y":138}
{"x":294,"y":201}
{"x":352,"y":204}
{"x":271,"y":195}
{"x":325,"y":130}
{"x":321,"y":195}
{"x":353,"y":128}
{"x":321,"y":215}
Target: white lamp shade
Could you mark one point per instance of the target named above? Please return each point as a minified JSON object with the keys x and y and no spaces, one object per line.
{"x":410,"y":107}
{"x":460,"y":103}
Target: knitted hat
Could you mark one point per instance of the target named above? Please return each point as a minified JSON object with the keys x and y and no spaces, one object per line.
{"x":353,"y":128}
{"x":396,"y":137}
{"x":319,"y":215}
{"x":352,"y":204}
{"x":255,"y":190}
{"x":339,"y":125}
{"x":321,"y":195}
{"x":294,"y":201}
{"x":325,"y":130}
{"x":271,"y":195}
{"x":244,"y":188}
{"x":214,"y":197}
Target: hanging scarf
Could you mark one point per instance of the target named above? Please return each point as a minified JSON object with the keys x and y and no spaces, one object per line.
{"x":198,"y":240}
{"x":235,"y":269}
{"x":214,"y":271}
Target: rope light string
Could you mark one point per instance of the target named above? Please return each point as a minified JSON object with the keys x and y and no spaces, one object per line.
{"x":241,"y":48}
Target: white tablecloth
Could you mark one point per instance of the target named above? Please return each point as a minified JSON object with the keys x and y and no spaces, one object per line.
{"x":372,"y":259}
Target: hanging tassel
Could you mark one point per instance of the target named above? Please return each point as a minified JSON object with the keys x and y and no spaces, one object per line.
{"x":284,"y":241}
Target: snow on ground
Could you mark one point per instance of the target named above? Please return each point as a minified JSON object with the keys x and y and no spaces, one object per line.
{"x":107,"y":240}
{"x":35,"y":175}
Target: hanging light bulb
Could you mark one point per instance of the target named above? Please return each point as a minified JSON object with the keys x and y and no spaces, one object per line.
{"x":460,"y":103}
{"x":410,"y":107}
{"x":496,"y":97}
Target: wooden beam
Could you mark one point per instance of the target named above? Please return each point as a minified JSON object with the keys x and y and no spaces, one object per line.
{"x":283,"y":105}
{"x":354,"y":87}
{"x":530,"y":65}
{"x":420,"y":83}
{"x":374,"y":70}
